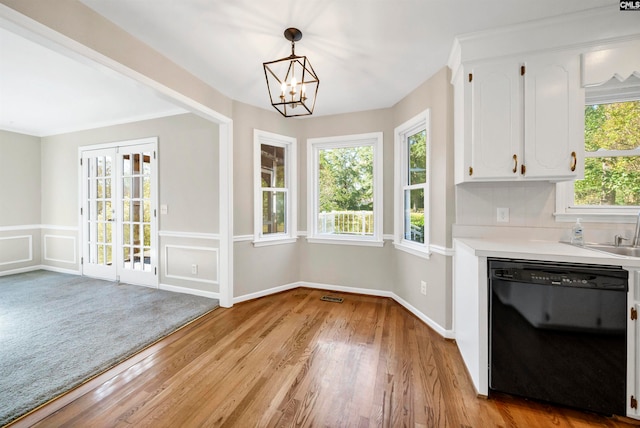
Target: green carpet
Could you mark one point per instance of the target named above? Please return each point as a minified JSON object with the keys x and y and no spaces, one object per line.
{"x":57,"y":330}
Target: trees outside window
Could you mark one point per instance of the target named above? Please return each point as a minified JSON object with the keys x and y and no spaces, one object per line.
{"x":612,"y":156}
{"x":610,"y":189}
{"x":345,"y":188}
{"x":412,"y":172}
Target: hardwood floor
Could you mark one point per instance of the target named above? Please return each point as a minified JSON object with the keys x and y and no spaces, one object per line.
{"x":293,"y":360}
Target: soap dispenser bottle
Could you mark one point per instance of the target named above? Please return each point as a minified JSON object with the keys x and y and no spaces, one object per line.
{"x":577,"y":237}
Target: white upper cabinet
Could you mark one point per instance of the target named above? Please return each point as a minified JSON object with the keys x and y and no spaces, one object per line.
{"x":525,"y":121}
{"x":553,"y":118}
{"x":496,"y":121}
{"x":510,"y":125}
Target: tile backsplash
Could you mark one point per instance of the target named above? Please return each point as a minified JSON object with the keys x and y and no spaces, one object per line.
{"x":531,"y":206}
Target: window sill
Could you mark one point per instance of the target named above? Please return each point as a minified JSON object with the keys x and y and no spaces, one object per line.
{"x":346,"y":241}
{"x":595,"y":216}
{"x":422,"y":252}
{"x":274,"y":241}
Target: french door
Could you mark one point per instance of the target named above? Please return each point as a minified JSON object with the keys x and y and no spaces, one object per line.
{"x":119,"y":225}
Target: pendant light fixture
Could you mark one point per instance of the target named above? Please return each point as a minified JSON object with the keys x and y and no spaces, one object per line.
{"x":291,"y":81}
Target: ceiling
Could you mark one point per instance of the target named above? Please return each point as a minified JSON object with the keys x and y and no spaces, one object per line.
{"x":43,"y":92}
{"x":368,"y":54}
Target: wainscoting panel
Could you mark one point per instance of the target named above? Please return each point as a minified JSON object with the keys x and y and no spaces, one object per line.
{"x":192,"y":263}
{"x":16,"y":249}
{"x":60,"y":248}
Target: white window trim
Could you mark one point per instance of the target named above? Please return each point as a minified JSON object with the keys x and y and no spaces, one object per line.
{"x":314,"y":145}
{"x":415,"y":124}
{"x":291,"y":178}
{"x":565,"y":211}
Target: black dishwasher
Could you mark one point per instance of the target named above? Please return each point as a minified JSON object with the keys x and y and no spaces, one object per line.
{"x":557,"y":333}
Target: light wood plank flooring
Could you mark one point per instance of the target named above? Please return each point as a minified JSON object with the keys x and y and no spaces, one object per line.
{"x":291,"y":359}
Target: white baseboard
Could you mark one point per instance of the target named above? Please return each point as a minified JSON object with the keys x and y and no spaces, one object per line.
{"x":39,"y":267}
{"x":20,"y":270}
{"x":447,"y":334}
{"x":355,"y":290}
{"x":60,"y":270}
{"x":185,"y":290}
{"x":267,"y":292}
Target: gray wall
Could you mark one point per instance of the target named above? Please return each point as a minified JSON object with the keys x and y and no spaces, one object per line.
{"x":188,"y":181}
{"x":20,"y":211}
{"x":20,"y":179}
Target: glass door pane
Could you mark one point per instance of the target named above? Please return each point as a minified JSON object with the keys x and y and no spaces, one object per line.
{"x":136,"y":203}
{"x":98,"y":213}
{"x":137,"y":248}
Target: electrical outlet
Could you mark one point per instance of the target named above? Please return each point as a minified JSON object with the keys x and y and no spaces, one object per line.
{"x":423,"y":287}
{"x":194,"y":269}
{"x":503,"y":215}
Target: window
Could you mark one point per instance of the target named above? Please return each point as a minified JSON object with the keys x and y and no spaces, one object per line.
{"x":345,"y":189}
{"x":610,"y":189}
{"x":275,"y":191}
{"x":412,"y":156}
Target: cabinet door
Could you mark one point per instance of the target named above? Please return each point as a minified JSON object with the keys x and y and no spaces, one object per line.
{"x":553,"y":117}
{"x":496,"y":115}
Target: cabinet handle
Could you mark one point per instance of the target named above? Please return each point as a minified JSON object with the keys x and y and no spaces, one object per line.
{"x":523,"y":169}
{"x":470,"y":170}
{"x":574,"y":161}
{"x":515,"y":163}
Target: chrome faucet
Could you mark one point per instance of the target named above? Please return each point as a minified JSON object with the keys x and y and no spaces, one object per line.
{"x":636,"y":234}
{"x":617,"y":240}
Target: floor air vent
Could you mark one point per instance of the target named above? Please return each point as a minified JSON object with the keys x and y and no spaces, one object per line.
{"x":332,"y":299}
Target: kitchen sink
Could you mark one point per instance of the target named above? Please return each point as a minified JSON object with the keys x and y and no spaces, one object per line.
{"x":612,"y":249}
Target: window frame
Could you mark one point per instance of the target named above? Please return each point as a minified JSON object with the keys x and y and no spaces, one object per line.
{"x":290,"y":178}
{"x":565,"y":211}
{"x":314,"y":145}
{"x":401,"y":164}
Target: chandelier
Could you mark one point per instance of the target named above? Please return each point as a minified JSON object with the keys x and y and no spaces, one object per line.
{"x":291,"y":81}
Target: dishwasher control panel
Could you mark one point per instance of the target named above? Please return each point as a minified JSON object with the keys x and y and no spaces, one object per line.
{"x":560,"y":274}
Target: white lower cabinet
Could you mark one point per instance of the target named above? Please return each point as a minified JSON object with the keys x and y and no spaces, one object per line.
{"x":470,"y":314}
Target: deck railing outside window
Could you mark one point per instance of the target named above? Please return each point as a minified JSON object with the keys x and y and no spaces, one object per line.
{"x":346,"y":222}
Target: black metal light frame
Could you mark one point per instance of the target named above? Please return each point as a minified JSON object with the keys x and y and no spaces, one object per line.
{"x":290,"y":96}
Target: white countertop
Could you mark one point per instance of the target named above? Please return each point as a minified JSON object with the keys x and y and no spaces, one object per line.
{"x":544,"y":250}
